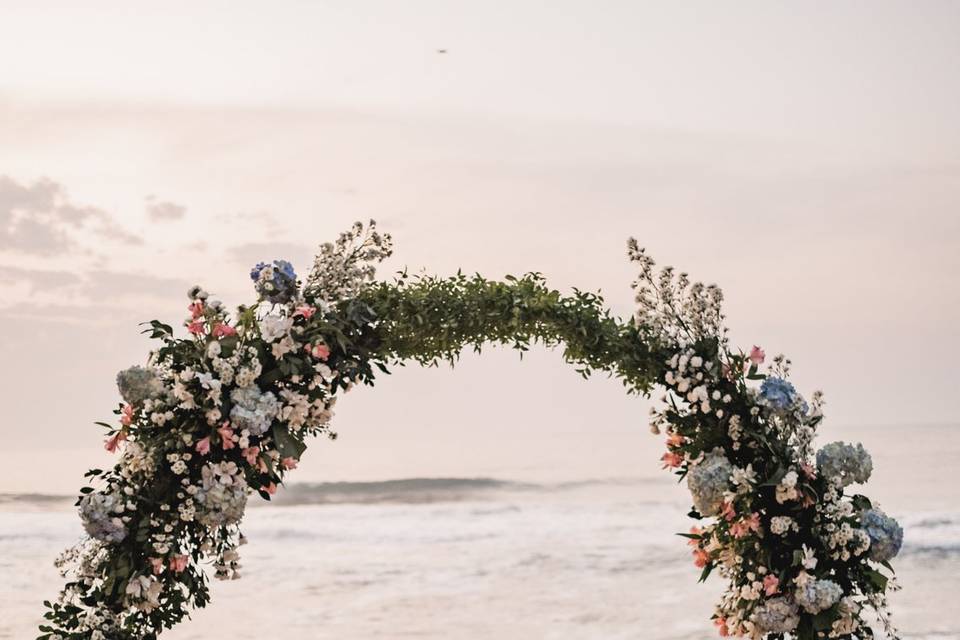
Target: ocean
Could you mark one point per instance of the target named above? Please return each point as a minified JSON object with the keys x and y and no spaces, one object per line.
{"x":499,"y":557}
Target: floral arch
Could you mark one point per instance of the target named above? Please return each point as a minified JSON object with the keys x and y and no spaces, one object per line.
{"x":226,"y":411}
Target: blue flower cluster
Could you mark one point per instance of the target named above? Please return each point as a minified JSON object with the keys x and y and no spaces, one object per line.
{"x":845,"y":463}
{"x":818,"y":595}
{"x":275,"y":282}
{"x":780,"y":395}
{"x":708,"y":481}
{"x":100,"y":515}
{"x":137,"y":384}
{"x":886,"y":536}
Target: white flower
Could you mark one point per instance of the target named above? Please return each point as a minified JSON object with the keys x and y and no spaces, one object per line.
{"x":273,"y":327}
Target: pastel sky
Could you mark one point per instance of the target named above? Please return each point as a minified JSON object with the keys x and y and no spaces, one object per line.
{"x":804,"y":156}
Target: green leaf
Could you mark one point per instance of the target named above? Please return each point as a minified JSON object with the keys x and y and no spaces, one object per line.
{"x":287,"y":444}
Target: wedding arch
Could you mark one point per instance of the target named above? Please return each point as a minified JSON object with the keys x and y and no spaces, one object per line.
{"x":225,"y":412}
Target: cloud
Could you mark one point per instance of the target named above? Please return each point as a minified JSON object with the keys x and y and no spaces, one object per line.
{"x":38,"y":219}
{"x":163,"y":211}
{"x":301,"y":256}
{"x":38,"y":279}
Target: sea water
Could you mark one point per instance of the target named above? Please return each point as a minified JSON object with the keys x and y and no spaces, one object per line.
{"x":497,"y":557}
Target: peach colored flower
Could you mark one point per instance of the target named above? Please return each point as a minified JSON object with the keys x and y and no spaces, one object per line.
{"x":157,"y":564}
{"x":178,"y":563}
{"x":126,"y":415}
{"x":693,"y":542}
{"x":700,"y":558}
{"x":226,"y":435}
{"x":203,"y":446}
{"x":114,"y":441}
{"x":289,"y":462}
{"x":251,"y":454}
{"x":808,"y":470}
{"x":671,"y":460}
{"x":221,"y":330}
{"x":270,"y":488}
{"x":728,"y":511}
{"x":757,"y":355}
{"x":771,"y":584}
{"x":721,"y":624}
{"x":675,"y":440}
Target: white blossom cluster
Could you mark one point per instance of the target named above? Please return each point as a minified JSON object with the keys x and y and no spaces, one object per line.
{"x":341,"y":268}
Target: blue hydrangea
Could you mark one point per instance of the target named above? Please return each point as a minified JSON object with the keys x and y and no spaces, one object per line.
{"x":818,"y":595}
{"x":137,"y":384}
{"x":98,"y":511}
{"x":253,"y":409}
{"x":776,"y":615}
{"x":845,"y":463}
{"x":708,"y":481}
{"x":275,"y":282}
{"x":780,"y":395}
{"x":886,"y":535}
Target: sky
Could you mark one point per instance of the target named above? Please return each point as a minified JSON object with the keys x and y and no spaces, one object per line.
{"x":804,"y":156}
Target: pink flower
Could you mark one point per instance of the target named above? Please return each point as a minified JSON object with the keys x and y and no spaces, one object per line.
{"x":695,"y":542}
{"x":270,"y":488}
{"x":675,"y":440}
{"x":195,"y":309}
{"x":157,"y":564}
{"x":728,"y":511}
{"x":318,"y":351}
{"x":289,"y":463}
{"x":700,"y":558}
{"x":178,"y":563}
{"x":126,"y":416}
{"x":251,"y":454}
{"x":221,"y":330}
{"x":226,"y":435}
{"x":757,"y":355}
{"x":203,"y":446}
{"x":671,"y":460}
{"x":771,"y":584}
{"x":305,"y":310}
{"x":721,"y":624}
{"x":808,"y":470}
{"x":753,"y":522}
{"x":113,"y":442}
{"x":196,"y":327}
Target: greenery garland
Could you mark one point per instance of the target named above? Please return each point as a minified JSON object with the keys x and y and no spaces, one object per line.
{"x":226,"y":412}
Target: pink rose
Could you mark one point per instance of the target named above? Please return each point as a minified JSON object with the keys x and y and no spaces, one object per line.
{"x":196,"y":327}
{"x":757,"y":355}
{"x":226,"y":435}
{"x":221,"y":330}
{"x":318,"y":351}
{"x":203,"y":446}
{"x":178,"y":563}
{"x":305,"y":310}
{"x":771,"y":584}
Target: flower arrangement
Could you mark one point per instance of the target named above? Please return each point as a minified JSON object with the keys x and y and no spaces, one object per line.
{"x":225,"y":413}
